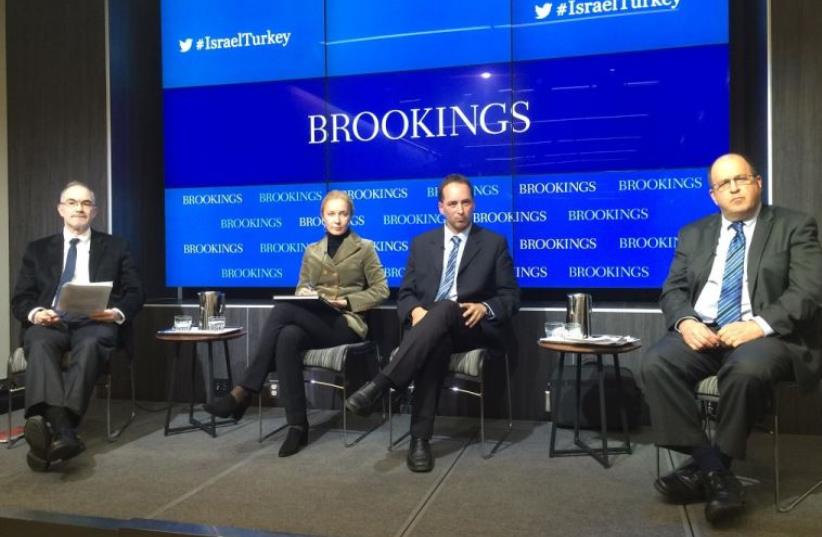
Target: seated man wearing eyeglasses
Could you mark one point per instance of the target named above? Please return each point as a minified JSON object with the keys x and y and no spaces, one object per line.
{"x":742,"y":302}
{"x":58,"y":390}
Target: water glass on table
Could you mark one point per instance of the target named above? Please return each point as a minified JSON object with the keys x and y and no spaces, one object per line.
{"x":182,"y":322}
{"x":574,"y":331}
{"x":554,"y":330}
{"x":216,"y":322}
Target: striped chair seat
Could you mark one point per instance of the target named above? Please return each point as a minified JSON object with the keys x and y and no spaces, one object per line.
{"x":468,"y":363}
{"x":462,"y":363}
{"x":333,"y":358}
{"x":17,"y":361}
{"x":708,"y":389}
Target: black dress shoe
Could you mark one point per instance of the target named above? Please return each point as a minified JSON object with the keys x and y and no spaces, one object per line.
{"x":419,"y":457}
{"x":36,"y":463}
{"x":296,"y":438}
{"x":684,"y":485}
{"x":724,"y":496}
{"x":363,"y":400}
{"x":65,"y":445}
{"x":38,"y":436}
{"x":228,"y":406}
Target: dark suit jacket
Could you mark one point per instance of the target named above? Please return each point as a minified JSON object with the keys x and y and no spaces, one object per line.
{"x":784,"y":281}
{"x":109,"y":260}
{"x":486,"y":274}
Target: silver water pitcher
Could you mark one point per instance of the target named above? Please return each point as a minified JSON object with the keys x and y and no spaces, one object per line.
{"x":212,"y":303}
{"x":579,"y":311}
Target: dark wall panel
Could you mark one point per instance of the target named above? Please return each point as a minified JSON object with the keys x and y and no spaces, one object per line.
{"x":136,"y":136}
{"x":57,"y":109}
{"x":56,"y":112}
{"x":797,"y":141}
{"x":797,"y":104}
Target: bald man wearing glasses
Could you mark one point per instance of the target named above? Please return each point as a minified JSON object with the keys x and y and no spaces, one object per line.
{"x":58,"y":390}
{"x":742,"y":301}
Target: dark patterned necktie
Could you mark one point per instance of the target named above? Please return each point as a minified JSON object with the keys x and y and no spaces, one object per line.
{"x":450,"y":270}
{"x":730,"y":297}
{"x":68,"y":270}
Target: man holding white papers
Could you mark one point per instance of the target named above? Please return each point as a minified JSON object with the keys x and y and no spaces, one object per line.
{"x":58,"y":390}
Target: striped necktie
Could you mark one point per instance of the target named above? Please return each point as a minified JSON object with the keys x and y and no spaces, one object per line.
{"x":450,"y":270}
{"x":68,"y":270}
{"x":730,"y":297}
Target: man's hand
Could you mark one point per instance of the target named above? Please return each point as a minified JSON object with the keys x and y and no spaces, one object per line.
{"x":735,"y":334}
{"x":105,"y":316}
{"x":46,"y":318}
{"x":417,"y":314}
{"x":698,"y":336}
{"x":473,"y":312}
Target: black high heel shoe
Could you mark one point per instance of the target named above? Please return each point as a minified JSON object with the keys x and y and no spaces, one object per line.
{"x":296,"y":438}
{"x":228,"y":406}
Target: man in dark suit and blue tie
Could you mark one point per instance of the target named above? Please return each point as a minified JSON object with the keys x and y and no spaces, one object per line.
{"x":742,"y":301}
{"x":58,"y":390}
{"x":458,"y":292}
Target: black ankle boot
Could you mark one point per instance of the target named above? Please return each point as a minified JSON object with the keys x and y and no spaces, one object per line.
{"x":228,"y":406}
{"x":296,"y":438}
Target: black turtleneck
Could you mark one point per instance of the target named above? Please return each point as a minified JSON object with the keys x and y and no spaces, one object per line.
{"x":334,"y":242}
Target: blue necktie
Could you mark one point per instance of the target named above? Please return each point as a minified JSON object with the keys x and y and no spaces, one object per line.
{"x":730,"y":297}
{"x":68,"y":270}
{"x":450,"y":270}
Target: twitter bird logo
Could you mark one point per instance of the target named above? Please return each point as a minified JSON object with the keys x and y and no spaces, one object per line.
{"x":185,"y":45}
{"x":543,"y":11}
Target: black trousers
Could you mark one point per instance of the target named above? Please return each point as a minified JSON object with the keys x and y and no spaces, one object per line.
{"x":50,"y":381}
{"x":423,"y":357}
{"x":747,"y":375}
{"x":289,"y":331}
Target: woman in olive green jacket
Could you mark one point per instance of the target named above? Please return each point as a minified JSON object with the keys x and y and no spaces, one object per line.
{"x":343,"y":269}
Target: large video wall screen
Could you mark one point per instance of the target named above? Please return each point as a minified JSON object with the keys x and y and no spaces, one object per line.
{"x":585,"y":126}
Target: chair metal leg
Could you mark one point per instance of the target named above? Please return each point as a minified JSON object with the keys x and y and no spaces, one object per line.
{"x":784,"y":507}
{"x":482,"y":419}
{"x":391,"y":442}
{"x":112,"y":435}
{"x":657,"y":462}
{"x":508,"y":393}
{"x":12,"y":439}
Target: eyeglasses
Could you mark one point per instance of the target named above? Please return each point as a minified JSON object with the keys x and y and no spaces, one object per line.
{"x":73,"y":204}
{"x":739,"y":180}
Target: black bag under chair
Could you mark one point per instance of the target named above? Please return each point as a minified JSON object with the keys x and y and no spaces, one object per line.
{"x":562,"y":411}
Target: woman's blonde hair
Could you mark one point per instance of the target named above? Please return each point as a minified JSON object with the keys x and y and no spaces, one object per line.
{"x":337,"y":195}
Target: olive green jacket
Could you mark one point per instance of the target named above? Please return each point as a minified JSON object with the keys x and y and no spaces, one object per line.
{"x":354,"y":273}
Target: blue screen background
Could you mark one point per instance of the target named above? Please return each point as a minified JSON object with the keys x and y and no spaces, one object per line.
{"x":255,"y":132}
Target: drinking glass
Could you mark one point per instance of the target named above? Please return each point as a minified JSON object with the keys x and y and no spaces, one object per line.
{"x":573,"y":330}
{"x":554,"y":330}
{"x":216,"y":322}
{"x":182,"y":322}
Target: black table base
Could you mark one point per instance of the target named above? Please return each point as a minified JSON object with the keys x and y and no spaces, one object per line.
{"x":598,"y":453}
